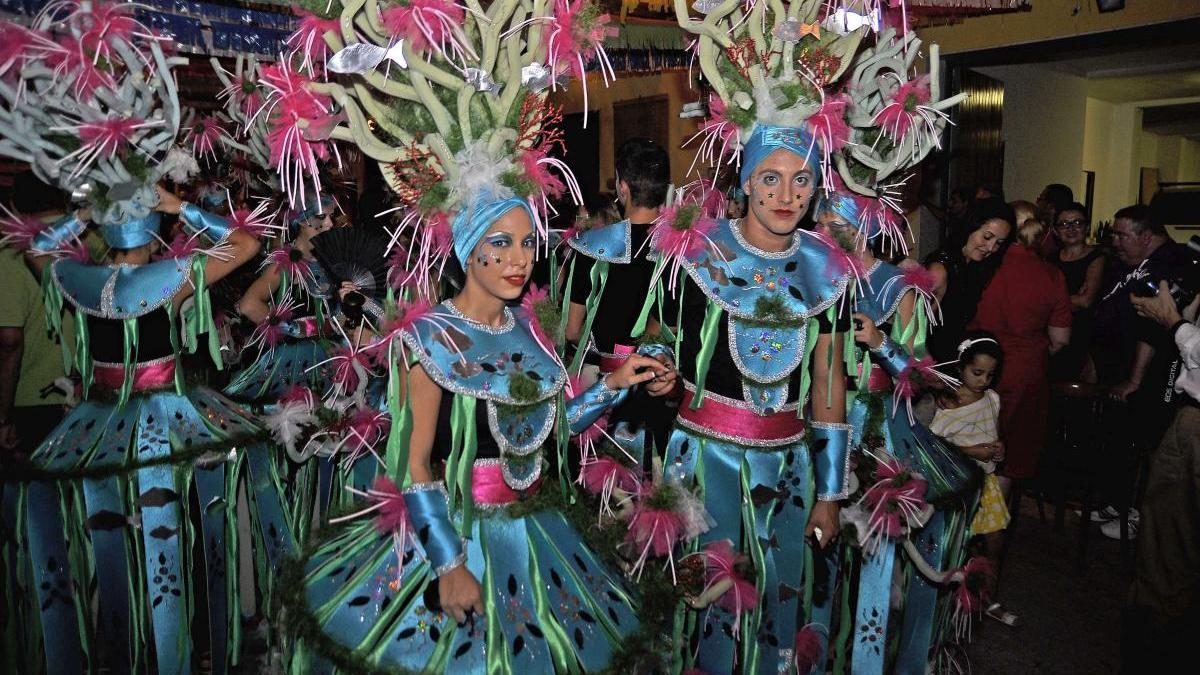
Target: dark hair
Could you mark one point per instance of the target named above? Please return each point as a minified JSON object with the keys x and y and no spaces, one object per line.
{"x":31,"y":195}
{"x":1060,"y":196}
{"x":1143,"y":219}
{"x":964,"y":194}
{"x":1075,"y":206}
{"x":645,"y":166}
{"x":982,"y":343}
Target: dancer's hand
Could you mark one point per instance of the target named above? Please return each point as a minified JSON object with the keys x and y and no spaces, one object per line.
{"x":663,"y":385}
{"x":824,"y":516}
{"x":460,"y":593}
{"x":866,"y":332}
{"x":636,"y":370}
{"x":167,"y":201}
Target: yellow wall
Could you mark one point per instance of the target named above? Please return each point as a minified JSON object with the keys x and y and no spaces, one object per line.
{"x":1112,"y":148}
{"x":1044,"y":118}
{"x":1052,"y":19}
{"x":630,"y":87}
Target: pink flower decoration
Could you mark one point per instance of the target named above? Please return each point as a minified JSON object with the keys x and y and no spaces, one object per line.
{"x":681,"y":232}
{"x":840,"y":261}
{"x":537,"y":170}
{"x":298,"y":126}
{"x":18,"y":231}
{"x":110,"y":136}
{"x":298,"y":393}
{"x":427,"y":25}
{"x":406,"y":315}
{"x":205,"y":133}
{"x":654,"y":531}
{"x":71,"y":61}
{"x":720,"y":564}
{"x":345,"y":376}
{"x":182,"y":246}
{"x":533,"y":296}
{"x":829,"y":123}
{"x":255,"y":223}
{"x":107,"y":23}
{"x":972,"y":594}
{"x":898,"y":117}
{"x":895,"y":501}
{"x":604,"y":473}
{"x":366,"y":427}
{"x":918,"y":276}
{"x":809,"y":645}
{"x":290,"y":260}
{"x":19,"y":44}
{"x":575,"y":34}
{"x":392,"y":514}
{"x":309,"y":38}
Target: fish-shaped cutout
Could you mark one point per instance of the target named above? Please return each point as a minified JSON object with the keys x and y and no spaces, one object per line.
{"x":480,"y":79}
{"x":360,"y":57}
{"x":762,"y":494}
{"x":706,"y":6}
{"x":536,"y":77}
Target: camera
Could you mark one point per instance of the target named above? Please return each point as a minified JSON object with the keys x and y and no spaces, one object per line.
{"x":1183,"y":284}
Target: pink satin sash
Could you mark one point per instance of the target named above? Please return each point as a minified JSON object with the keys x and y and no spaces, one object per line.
{"x":737,"y":422}
{"x":489,"y":489}
{"x":610,"y":362}
{"x":145,"y":376}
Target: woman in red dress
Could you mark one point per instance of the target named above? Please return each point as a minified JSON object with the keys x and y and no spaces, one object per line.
{"x":1027,"y":308}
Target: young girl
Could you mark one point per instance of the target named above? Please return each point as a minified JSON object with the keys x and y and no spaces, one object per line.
{"x":968,"y":418}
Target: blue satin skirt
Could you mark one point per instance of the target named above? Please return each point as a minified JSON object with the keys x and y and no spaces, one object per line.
{"x":551,"y":606}
{"x":275,"y":371}
{"x":128,"y":527}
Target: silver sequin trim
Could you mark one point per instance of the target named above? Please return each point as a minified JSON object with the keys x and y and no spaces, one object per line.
{"x":622,"y":260}
{"x":735,"y":226}
{"x":435,"y":373}
{"x":459,"y":560}
{"x":153,"y":362}
{"x":745,"y":370}
{"x":107,"y":294}
{"x":606,"y":397}
{"x":509,"y":320}
{"x":438,"y":485}
{"x":845,"y":491}
{"x":521,"y":483}
{"x":535,"y":441}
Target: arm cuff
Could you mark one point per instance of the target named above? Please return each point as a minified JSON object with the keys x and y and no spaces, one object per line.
{"x":829,"y":449}
{"x":428,"y":508}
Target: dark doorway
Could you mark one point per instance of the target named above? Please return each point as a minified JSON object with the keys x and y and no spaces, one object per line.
{"x":583,"y":155}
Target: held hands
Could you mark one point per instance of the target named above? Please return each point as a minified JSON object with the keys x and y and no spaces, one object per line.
{"x":866,"y":332}
{"x":460,"y":593}
{"x":1122,"y":391}
{"x":663,"y":385}
{"x":636,"y":370}
{"x":824,"y":517}
{"x":986,"y":452}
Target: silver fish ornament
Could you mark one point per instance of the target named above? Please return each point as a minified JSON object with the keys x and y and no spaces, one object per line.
{"x":361,"y":57}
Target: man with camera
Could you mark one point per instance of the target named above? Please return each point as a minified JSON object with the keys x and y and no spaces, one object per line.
{"x":1134,"y":354}
{"x":1163,"y":611}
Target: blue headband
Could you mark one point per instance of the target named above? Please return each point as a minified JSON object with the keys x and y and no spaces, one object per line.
{"x":314,"y":207}
{"x":767,"y":139}
{"x":472,"y":223}
{"x":843,"y":205}
{"x":132,"y":233}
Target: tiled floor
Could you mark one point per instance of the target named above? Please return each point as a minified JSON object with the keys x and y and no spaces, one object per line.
{"x":1070,"y":619}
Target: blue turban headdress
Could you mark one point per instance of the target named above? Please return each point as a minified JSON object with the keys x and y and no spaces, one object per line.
{"x":473,"y":220}
{"x":765,"y":139}
{"x":133,"y":232}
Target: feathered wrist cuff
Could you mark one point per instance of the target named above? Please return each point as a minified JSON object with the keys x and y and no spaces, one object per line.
{"x":57,"y":235}
{"x":589,"y":405}
{"x":429,"y":511}
{"x":197,"y":220}
{"x":829,"y":448}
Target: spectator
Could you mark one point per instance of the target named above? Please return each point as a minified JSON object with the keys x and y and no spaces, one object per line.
{"x":1082,"y":266}
{"x":1141,"y":243}
{"x":962,"y":271}
{"x":1054,"y":198}
{"x":1026,"y":307}
{"x":30,"y":354}
{"x":1162,"y":615}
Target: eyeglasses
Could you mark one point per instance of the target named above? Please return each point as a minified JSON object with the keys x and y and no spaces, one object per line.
{"x":1072,"y":224}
